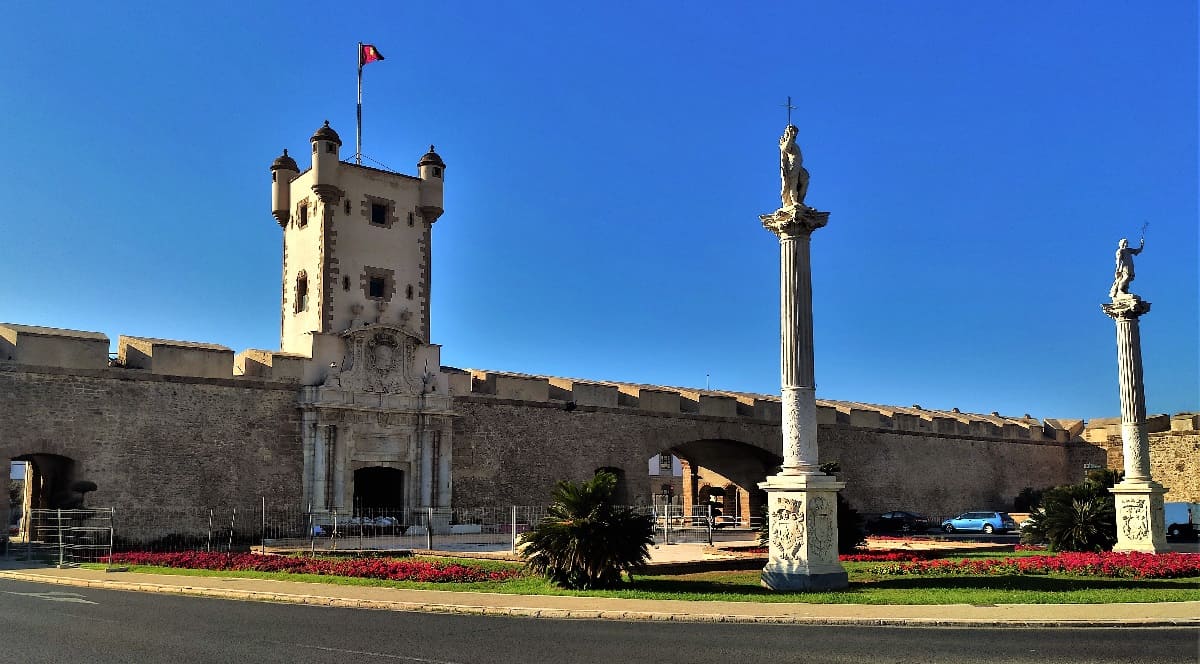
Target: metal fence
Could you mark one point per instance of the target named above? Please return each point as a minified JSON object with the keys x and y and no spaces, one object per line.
{"x":445,"y":529}
{"x":698,"y":524}
{"x":65,"y":537}
{"x":74,"y":536}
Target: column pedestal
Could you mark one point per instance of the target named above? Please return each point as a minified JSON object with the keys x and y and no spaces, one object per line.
{"x":803,"y":533}
{"x":1140,"y":525}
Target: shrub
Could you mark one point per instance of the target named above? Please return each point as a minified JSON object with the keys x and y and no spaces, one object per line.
{"x":1076,"y":517}
{"x":585,"y":540}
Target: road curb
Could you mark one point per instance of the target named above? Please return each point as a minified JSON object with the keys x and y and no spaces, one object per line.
{"x":577,"y":614}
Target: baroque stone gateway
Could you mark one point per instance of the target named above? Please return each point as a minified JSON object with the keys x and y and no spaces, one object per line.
{"x":356,"y":411}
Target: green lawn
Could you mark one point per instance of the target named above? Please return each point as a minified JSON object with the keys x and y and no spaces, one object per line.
{"x":865,"y":587}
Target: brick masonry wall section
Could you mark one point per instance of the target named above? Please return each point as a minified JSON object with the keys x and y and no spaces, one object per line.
{"x":944,"y":476}
{"x":161,"y":449}
{"x":1174,"y":462}
{"x":512,"y":452}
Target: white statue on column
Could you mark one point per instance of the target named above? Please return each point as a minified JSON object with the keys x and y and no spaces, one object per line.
{"x":1124,"y":272}
{"x":793,"y":175}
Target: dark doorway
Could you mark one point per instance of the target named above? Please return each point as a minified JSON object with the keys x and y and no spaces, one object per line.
{"x":48,"y":482}
{"x":621,"y":494}
{"x":378,"y":491}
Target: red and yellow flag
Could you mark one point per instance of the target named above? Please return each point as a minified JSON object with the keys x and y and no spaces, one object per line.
{"x":367,"y":54}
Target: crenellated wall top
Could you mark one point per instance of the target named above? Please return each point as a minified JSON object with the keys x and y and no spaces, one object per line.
{"x":659,"y":399}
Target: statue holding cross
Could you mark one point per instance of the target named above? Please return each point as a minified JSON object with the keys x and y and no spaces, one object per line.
{"x":792,"y":174}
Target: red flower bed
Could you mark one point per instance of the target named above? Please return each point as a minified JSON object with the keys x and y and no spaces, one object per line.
{"x":1107,"y":564}
{"x":392,"y":569}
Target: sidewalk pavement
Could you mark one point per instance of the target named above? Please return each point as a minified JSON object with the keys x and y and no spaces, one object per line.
{"x":550,"y":606}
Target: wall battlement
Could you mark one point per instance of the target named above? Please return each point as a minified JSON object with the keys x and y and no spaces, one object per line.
{"x":763,"y":407}
{"x":78,"y":349}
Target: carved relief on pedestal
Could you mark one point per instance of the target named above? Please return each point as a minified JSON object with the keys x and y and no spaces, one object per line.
{"x":820,"y":531}
{"x":1135,"y":520}
{"x":787,"y":528}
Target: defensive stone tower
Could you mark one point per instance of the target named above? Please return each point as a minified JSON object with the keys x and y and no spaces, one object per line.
{"x":356,"y":247}
{"x":376,"y":407}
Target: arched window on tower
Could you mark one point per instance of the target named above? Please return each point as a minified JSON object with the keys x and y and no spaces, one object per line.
{"x":301,"y":291}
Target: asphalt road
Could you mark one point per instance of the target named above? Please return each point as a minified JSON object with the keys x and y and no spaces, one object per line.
{"x":45,"y":623}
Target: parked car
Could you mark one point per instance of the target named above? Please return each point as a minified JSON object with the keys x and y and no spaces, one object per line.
{"x":1182,"y":520}
{"x":987,"y":522}
{"x":898,"y":522}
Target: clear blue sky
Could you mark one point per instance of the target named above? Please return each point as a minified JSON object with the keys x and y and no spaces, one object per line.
{"x":607,"y":163}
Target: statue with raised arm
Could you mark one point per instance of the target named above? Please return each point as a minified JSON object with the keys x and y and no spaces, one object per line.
{"x":1124,"y":273}
{"x":792,"y":173}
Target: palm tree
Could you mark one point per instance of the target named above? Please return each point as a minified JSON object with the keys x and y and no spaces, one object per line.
{"x":585,"y":541}
{"x":1076,"y":517}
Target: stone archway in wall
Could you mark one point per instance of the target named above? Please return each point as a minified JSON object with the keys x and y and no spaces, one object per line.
{"x":621,"y":494}
{"x":725,"y":474}
{"x":49,"y":482}
{"x":378,"y":490}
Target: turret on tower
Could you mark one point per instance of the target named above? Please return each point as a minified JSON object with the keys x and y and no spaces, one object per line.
{"x":432,"y":170}
{"x":325,"y":146}
{"x":283,"y":169}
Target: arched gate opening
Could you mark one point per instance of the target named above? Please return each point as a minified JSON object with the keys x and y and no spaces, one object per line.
{"x":378,"y":490}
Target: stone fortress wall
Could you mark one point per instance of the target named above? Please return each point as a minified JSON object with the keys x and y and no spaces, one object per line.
{"x":173,"y":427}
{"x":1174,"y":451}
{"x":519,"y":433}
{"x":179,"y":428}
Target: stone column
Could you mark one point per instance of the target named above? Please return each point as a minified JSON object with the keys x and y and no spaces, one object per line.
{"x":801,"y":500}
{"x":426,"y":468}
{"x":1139,"y":499}
{"x":445,"y":463}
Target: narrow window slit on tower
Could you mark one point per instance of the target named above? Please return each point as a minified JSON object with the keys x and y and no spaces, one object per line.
{"x":411,"y":218}
{"x":346,"y":207}
{"x":408,"y":291}
{"x":346,"y":283}
{"x":303,"y":220}
{"x":302,"y":292}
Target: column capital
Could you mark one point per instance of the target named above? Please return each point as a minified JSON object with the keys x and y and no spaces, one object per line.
{"x":793,"y":220}
{"x":1125,"y":306}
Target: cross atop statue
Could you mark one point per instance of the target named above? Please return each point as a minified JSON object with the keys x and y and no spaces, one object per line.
{"x":789,"y":108}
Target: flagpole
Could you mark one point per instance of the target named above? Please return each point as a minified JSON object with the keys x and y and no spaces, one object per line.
{"x":358,"y":128}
